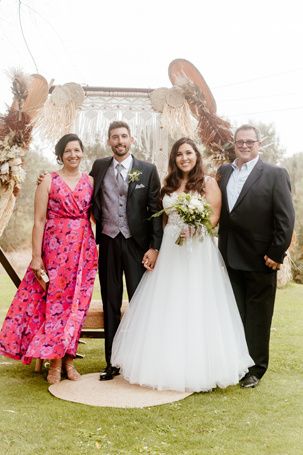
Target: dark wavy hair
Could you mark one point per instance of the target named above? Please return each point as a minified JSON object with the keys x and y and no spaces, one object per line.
{"x":62,"y":143}
{"x":173,"y":179}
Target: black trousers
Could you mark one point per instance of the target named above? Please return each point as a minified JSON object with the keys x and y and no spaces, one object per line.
{"x":255,"y":296}
{"x":116,"y":256}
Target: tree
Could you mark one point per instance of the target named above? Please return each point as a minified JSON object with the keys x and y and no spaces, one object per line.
{"x":271,"y":150}
{"x":18,"y":232}
{"x":91,"y":153}
{"x":294,"y":165}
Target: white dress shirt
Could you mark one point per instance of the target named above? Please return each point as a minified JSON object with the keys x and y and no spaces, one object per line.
{"x":126,"y":166}
{"x":237,"y":180}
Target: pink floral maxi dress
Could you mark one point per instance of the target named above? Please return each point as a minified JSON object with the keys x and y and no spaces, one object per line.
{"x":48,"y":326}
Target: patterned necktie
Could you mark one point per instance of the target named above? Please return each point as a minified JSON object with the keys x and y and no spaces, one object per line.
{"x":119,"y":176}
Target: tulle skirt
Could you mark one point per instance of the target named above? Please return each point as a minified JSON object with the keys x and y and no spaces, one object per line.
{"x":182,"y":330}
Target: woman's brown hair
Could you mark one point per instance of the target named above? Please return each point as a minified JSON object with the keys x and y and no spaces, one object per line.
{"x":173,"y":179}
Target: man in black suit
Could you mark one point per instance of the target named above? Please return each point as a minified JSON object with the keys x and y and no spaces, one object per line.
{"x":255,"y":230}
{"x":126,"y":194}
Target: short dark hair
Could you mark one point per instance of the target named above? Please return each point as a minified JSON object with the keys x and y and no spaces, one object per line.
{"x":118,"y":124}
{"x":62,"y":143}
{"x":248,"y":127}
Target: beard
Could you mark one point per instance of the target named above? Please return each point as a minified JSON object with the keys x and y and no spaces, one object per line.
{"x":120,"y":150}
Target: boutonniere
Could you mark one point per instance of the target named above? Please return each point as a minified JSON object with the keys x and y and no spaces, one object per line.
{"x":134,"y":175}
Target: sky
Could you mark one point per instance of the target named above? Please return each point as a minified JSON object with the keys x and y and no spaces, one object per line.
{"x":249,"y":53}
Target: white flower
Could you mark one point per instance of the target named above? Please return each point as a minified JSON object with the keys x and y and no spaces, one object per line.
{"x":196,"y":204}
{"x":134,"y":175}
{"x":4,"y":169}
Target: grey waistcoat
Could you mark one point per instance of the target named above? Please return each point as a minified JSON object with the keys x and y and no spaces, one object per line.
{"x":114,"y":218}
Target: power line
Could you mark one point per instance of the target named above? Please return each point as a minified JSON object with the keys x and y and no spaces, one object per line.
{"x":266,"y":76}
{"x":271,"y":110}
{"x":20,"y":23}
{"x":76,"y":68}
{"x":273,"y":95}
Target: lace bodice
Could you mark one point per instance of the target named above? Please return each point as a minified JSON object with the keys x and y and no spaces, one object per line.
{"x":173,"y":218}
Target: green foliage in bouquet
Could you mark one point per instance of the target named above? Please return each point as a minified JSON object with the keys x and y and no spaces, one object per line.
{"x":194,"y":211}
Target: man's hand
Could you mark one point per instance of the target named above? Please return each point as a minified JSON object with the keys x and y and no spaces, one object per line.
{"x":41,"y":177}
{"x":149,"y":259}
{"x":271,"y":263}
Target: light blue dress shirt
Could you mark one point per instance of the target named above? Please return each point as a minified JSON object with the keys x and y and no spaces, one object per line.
{"x":237,"y":180}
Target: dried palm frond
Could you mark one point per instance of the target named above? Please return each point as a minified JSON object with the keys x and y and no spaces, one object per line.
{"x":15,"y":136}
{"x":214,"y":132}
{"x":18,"y":127}
{"x":19,"y":88}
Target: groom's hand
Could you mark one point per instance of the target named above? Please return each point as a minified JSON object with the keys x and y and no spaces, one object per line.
{"x":149,"y":259}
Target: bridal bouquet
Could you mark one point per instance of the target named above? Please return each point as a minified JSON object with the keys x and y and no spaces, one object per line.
{"x":194,"y":211}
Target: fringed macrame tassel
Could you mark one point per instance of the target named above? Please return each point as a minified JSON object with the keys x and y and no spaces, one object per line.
{"x":179,"y":121}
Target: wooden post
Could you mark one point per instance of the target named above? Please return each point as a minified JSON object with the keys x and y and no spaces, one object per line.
{"x":9,"y":269}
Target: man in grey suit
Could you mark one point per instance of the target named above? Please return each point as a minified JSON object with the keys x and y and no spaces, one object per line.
{"x":255,"y":230}
{"x":126,"y":194}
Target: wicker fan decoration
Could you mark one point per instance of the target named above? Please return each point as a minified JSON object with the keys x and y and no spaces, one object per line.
{"x":215,"y":133}
{"x":35,"y":96}
{"x":15,"y":136}
{"x":176,"y":116}
{"x":58,"y":113}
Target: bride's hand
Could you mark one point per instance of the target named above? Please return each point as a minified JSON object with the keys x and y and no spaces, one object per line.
{"x":149,"y":259}
{"x":187,"y":232}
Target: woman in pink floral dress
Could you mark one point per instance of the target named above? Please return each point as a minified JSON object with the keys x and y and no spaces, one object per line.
{"x":47,"y":325}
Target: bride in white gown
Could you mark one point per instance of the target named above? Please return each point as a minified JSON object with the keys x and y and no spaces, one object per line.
{"x":182,"y":330}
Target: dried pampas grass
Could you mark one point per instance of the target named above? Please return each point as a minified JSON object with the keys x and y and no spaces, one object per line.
{"x":15,"y":137}
{"x":7,"y":204}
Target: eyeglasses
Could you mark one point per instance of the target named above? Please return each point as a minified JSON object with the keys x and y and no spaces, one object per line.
{"x":249,"y":143}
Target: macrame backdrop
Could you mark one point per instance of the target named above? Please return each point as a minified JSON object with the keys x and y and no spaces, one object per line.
{"x":156,"y":118}
{"x":104,"y":105}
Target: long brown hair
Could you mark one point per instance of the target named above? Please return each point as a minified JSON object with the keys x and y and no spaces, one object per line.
{"x":173,"y":179}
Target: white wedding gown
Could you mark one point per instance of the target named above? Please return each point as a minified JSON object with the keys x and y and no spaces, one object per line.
{"x":182,"y":330}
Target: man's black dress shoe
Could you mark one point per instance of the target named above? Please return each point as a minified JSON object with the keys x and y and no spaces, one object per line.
{"x":109,"y":373}
{"x":249,"y":381}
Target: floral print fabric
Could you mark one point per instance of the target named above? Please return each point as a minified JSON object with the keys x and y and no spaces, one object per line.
{"x":48,"y":325}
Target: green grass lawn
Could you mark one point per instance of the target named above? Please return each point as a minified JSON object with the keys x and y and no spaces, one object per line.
{"x":266,"y":420}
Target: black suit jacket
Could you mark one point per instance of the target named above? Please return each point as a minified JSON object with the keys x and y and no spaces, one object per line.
{"x":262,"y":220}
{"x":142,"y":202}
